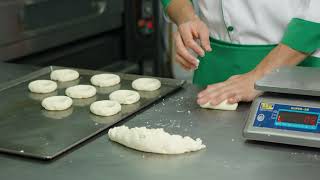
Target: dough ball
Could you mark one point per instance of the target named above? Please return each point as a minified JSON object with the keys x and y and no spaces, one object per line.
{"x":64,"y":75}
{"x":81,"y":91}
{"x":146,"y":84}
{"x":105,"y":108}
{"x":105,"y":80}
{"x":154,"y":140}
{"x":57,"y":103}
{"x":125,"y":96}
{"x":42,"y":86}
{"x":222,"y":106}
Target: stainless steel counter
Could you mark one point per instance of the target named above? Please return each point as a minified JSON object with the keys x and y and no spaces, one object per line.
{"x":227,"y":155}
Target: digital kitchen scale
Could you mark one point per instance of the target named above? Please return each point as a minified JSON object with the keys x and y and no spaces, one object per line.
{"x":289,"y":110}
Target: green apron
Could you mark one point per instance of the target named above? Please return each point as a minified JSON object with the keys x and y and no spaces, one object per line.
{"x":228,"y":59}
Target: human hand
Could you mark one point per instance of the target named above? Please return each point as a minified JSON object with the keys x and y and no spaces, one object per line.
{"x":237,"y":88}
{"x":186,"y":38}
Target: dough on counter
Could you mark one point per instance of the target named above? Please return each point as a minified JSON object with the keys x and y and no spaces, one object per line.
{"x":125,"y":96}
{"x":146,"y":84}
{"x":81,"y":91}
{"x":222,"y":106}
{"x":105,"y":80}
{"x":154,"y":140}
{"x":56,"y":103}
{"x":64,"y":75}
{"x":42,"y":86}
{"x":105,"y":108}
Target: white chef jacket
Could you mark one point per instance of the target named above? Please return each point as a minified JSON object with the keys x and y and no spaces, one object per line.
{"x":255,"y":22}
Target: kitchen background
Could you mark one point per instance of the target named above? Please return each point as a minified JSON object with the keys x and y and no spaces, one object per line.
{"x":130,"y":36}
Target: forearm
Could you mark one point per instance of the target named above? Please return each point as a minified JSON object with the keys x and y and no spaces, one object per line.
{"x":280,"y":56}
{"x":181,"y":11}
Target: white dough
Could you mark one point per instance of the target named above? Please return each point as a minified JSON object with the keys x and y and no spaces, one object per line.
{"x":222,"y":106}
{"x":105,"y":108}
{"x":42,"y":86}
{"x":81,"y":91}
{"x":125,"y":96}
{"x":146,"y":84}
{"x":154,"y":140}
{"x":64,"y":75}
{"x":105,"y":80}
{"x":56,"y":103}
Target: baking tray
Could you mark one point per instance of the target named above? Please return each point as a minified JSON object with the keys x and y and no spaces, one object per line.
{"x":27,"y":129}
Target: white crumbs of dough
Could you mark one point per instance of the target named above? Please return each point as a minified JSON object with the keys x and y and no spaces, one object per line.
{"x":222,"y":106}
{"x":105,"y":108}
{"x":56,"y":103}
{"x":81,"y":91}
{"x":105,"y":80}
{"x":125,"y":96}
{"x":64,"y":75}
{"x":42,"y":86}
{"x":154,"y":140}
{"x":146,"y":84}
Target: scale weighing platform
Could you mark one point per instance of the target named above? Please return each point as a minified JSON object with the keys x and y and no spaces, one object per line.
{"x":289,"y":110}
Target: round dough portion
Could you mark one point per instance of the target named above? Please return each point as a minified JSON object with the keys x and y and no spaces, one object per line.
{"x":146,"y":84}
{"x":42,"y":86}
{"x":125,"y":96}
{"x":105,"y":80}
{"x":81,"y":91}
{"x":224,"y":105}
{"x":64,"y":75}
{"x":105,"y":108}
{"x":56,"y":103}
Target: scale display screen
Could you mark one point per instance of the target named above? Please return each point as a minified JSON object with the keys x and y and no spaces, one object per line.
{"x":281,"y":116}
{"x":297,"y":118}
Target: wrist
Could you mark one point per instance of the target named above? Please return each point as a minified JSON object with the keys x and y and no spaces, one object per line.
{"x":186,"y":18}
{"x":259,"y":72}
{"x":181,"y":11}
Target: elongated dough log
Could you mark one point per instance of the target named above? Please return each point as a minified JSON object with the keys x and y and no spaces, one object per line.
{"x":222,"y":106}
{"x":154,"y":140}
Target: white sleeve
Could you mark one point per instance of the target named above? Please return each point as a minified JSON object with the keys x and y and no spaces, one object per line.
{"x":311,"y":11}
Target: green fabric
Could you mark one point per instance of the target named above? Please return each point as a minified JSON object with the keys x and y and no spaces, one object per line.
{"x":165,"y":3}
{"x":302,"y":35}
{"x":227,"y":59}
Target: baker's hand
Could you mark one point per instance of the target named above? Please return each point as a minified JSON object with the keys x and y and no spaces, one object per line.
{"x":186,"y":38}
{"x":237,"y":88}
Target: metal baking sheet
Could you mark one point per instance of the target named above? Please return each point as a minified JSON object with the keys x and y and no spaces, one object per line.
{"x":29,"y":130}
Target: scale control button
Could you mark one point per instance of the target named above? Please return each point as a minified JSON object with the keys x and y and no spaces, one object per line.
{"x":260,"y":117}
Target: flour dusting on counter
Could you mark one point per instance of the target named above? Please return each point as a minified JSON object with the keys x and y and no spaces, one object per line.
{"x":154,"y":140}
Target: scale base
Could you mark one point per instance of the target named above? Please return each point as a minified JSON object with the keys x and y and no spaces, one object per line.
{"x":265,"y":129}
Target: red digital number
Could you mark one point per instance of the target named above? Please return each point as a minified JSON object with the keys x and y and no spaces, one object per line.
{"x":311,"y":120}
{"x":279,"y":119}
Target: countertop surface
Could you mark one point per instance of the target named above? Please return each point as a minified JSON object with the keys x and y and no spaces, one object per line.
{"x":227,"y":155}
